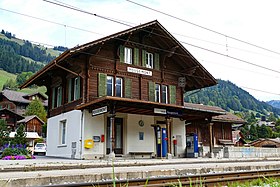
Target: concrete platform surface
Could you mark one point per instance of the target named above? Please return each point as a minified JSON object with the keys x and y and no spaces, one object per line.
{"x":45,"y":171}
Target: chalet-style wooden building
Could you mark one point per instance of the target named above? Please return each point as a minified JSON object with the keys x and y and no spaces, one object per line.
{"x":10,"y":117}
{"x":32,"y":124}
{"x":123,"y":95}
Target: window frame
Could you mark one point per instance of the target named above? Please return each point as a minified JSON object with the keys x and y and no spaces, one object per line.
{"x":121,"y":86}
{"x":58,"y":96}
{"x":128,"y":55}
{"x":149,"y":60}
{"x":157,"y":93}
{"x":111,"y":85}
{"x":76,"y":79}
{"x":62,"y":132}
{"x":164,"y":94}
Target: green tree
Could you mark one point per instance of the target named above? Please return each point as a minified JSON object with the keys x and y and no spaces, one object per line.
{"x":272,"y":117}
{"x":4,"y":133}
{"x":36,"y":108}
{"x":21,"y":78}
{"x":253,"y":132}
{"x":20,"y":136}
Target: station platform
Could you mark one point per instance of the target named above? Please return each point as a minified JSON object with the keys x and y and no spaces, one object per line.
{"x":45,"y":171}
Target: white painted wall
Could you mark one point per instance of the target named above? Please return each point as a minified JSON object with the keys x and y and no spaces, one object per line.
{"x":133,"y":129}
{"x":73,"y":134}
{"x":178,"y":131}
{"x":93,"y":126}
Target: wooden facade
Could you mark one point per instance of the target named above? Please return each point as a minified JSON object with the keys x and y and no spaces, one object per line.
{"x":32,"y":124}
{"x":136,"y":71}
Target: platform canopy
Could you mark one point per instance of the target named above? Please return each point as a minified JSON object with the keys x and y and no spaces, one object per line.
{"x":123,"y":105}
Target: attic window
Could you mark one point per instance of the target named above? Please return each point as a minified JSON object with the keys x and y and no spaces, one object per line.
{"x":149,"y":60}
{"x":128,"y":55}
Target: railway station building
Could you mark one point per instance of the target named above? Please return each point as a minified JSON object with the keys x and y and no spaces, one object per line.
{"x":123,"y":95}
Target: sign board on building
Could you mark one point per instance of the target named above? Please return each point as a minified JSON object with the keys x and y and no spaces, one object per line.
{"x":159,"y":111}
{"x":98,"y":111}
{"x":139,"y":71}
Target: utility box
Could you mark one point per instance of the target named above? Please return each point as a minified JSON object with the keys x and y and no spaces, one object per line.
{"x":191,"y":145}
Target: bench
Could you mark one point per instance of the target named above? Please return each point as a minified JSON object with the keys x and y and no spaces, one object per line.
{"x":141,"y":153}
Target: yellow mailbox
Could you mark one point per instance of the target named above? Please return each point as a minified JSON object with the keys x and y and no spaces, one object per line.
{"x":89,"y":143}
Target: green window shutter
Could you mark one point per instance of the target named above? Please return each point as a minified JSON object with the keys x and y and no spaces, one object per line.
{"x":102,"y":84}
{"x":121,"y":53}
{"x":136,"y":57}
{"x":77,"y":88}
{"x":172,"y":94}
{"x":151,"y":91}
{"x":53,"y":97}
{"x":143,"y":58}
{"x":69,"y":89}
{"x":156,"y":65}
{"x":128,"y":88}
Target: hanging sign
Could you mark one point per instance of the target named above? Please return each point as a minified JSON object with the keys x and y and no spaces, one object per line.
{"x":159,"y":111}
{"x":98,"y":111}
{"x":139,"y":71}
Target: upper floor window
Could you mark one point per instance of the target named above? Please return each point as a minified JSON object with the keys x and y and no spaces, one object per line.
{"x":74,"y":88}
{"x":164,"y":97}
{"x":56,"y":97}
{"x":149,"y":60}
{"x":128,"y":55}
{"x":110,"y":85}
{"x":119,"y":87}
{"x":157,"y":93}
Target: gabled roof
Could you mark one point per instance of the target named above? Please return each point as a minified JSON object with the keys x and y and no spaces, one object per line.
{"x":5,"y":110}
{"x":19,"y":97}
{"x":36,"y":94}
{"x":28,"y":118}
{"x":229,"y":117}
{"x":197,"y":73}
{"x":275,"y":140}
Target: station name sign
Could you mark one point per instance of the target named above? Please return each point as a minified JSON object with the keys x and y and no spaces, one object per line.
{"x":100,"y":110}
{"x":139,"y":71}
{"x":168,"y":112}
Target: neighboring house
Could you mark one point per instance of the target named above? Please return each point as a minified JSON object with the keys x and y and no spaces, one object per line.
{"x":18,"y":101}
{"x":32,"y":124}
{"x":238,"y":138}
{"x":270,"y":124}
{"x":123,"y":95}
{"x":10,"y":117}
{"x":266,"y":142}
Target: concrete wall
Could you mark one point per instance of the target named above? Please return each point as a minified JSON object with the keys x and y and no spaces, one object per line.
{"x":73,"y":134}
{"x":93,"y":126}
{"x":178,"y":132}
{"x":133,"y":130}
{"x":250,"y":152}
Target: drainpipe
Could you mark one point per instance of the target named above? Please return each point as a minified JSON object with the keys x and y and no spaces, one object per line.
{"x":82,"y":132}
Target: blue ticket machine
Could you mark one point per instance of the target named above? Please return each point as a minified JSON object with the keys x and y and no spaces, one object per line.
{"x":191,"y":145}
{"x":161,"y":141}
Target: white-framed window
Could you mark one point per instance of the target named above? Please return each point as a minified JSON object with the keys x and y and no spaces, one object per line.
{"x":59,"y":96}
{"x":110,"y":85}
{"x":62,"y":132}
{"x":76,"y":88}
{"x":119,"y":87}
{"x":128,"y":55}
{"x":149,"y":60}
{"x":164,"y":98}
{"x":157,"y":92}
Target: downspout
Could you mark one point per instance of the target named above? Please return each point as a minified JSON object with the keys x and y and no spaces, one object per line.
{"x":81,"y":133}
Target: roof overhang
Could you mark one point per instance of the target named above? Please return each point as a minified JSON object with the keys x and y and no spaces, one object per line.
{"x":132,"y":106}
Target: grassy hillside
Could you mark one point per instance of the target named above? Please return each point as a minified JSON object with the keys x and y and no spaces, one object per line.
{"x":4,"y":76}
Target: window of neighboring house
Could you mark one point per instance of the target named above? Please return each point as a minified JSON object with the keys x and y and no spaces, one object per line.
{"x":119,"y":87}
{"x":128,"y":55}
{"x":62,"y":132}
{"x":157,"y":92}
{"x":149,"y":60}
{"x":110,"y":85}
{"x":164,"y":98}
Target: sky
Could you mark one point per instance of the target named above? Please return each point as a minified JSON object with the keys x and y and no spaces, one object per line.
{"x":200,"y":25}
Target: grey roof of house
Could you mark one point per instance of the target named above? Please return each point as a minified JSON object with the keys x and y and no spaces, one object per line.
{"x":18,"y":97}
{"x":28,"y":118}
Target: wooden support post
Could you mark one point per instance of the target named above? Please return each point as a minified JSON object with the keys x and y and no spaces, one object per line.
{"x":168,"y":128}
{"x":211,"y":139}
{"x":112,"y":128}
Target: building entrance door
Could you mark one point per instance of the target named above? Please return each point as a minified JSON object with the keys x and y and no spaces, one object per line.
{"x":118,"y":130}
